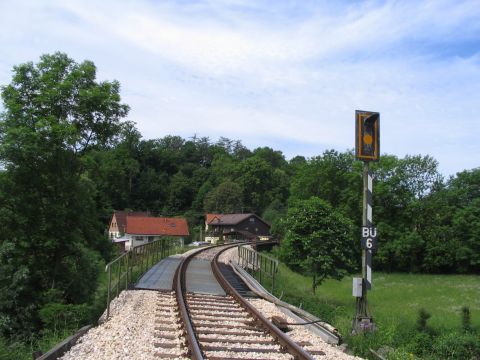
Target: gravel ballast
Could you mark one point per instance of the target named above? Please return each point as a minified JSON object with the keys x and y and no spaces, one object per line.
{"x":135,"y":328}
{"x":128,"y":334}
{"x":298,"y":333}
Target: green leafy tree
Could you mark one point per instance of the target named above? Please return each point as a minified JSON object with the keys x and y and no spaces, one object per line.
{"x":256,"y":179}
{"x":318,"y":240}
{"x":55,"y":113}
{"x":225,"y":198}
{"x":401,"y":192}
{"x":180,"y":195}
{"x":274,"y":158}
{"x":450,"y":225}
{"x":334,"y":177}
{"x":275,"y":211}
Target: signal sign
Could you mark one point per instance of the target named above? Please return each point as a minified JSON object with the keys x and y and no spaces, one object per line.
{"x":367,"y":135}
{"x":369,"y":237}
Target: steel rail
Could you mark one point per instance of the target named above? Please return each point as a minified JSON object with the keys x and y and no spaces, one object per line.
{"x":179,"y":288}
{"x":285,"y":341}
{"x":326,"y":331}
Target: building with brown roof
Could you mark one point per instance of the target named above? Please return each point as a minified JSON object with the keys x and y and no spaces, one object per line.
{"x":232,"y":227}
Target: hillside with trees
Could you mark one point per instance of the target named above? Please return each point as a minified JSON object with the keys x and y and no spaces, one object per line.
{"x":68,"y":159}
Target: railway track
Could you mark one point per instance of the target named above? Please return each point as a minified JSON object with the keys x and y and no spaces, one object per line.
{"x":219,"y":327}
{"x":170,"y":339}
{"x":196,"y":319}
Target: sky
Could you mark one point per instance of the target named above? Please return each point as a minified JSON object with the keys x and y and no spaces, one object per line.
{"x":284,"y":74}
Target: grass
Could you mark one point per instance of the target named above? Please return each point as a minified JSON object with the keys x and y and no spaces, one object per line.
{"x":395,"y":302}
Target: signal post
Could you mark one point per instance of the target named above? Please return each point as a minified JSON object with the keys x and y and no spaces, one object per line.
{"x":367,"y":148}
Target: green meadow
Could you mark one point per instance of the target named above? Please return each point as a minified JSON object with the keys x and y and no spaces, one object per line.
{"x":395,"y":301}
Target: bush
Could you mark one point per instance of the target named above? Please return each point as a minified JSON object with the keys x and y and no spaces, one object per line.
{"x":421,"y":344}
{"x":64,"y":317}
{"x":456,"y":345}
{"x":13,"y":351}
{"x":422,"y":318}
{"x":466,"y":320}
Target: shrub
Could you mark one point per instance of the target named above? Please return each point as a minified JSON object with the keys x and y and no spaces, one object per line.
{"x":456,"y":345}
{"x":466,"y":321}
{"x":421,"y":344}
{"x":422,"y":318}
{"x":14,"y":350}
{"x":64,"y":317}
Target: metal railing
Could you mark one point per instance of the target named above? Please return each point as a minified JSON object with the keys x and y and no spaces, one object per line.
{"x":130,"y":266}
{"x":258,"y":264}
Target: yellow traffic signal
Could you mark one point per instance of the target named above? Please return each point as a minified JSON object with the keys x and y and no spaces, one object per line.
{"x":367,"y":135}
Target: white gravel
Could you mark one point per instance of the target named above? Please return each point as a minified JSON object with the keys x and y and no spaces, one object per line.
{"x":299,"y":333}
{"x":129,"y":333}
{"x":208,"y":254}
{"x":229,"y":255}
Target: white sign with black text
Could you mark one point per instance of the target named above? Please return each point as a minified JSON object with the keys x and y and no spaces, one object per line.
{"x":369,"y":237}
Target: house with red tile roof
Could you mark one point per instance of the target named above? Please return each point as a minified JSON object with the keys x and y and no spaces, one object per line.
{"x":233,"y":227}
{"x":142,"y":230}
{"x":118,"y":223}
{"x":130,"y":229}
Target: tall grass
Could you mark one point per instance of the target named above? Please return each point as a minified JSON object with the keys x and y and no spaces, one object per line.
{"x":395,"y":302}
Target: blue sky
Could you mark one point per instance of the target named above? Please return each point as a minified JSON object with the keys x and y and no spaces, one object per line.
{"x":284,"y":74}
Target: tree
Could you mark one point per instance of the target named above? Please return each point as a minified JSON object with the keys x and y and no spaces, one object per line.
{"x":256,"y":179}
{"x":274,"y":158}
{"x":334,"y":177}
{"x":402,"y":213}
{"x":318,"y":241}
{"x":452,"y":225}
{"x":51,"y":239}
{"x":225,"y":198}
{"x":180,"y":194}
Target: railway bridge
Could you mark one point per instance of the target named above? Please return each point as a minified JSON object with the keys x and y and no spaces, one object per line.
{"x":199,"y":305}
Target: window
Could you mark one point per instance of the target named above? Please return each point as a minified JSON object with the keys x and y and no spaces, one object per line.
{"x":139,"y":238}
{"x":251,"y":219}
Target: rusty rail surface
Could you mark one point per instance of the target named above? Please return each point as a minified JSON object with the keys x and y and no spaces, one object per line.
{"x":285,"y":341}
{"x":195,"y":352}
{"x":179,"y":288}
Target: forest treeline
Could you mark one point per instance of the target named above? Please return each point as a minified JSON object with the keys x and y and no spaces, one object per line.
{"x":69,"y":159}
{"x":425,"y":223}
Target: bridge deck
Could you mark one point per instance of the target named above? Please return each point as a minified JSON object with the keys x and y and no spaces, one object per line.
{"x":200,"y":277}
{"x":160,"y":275}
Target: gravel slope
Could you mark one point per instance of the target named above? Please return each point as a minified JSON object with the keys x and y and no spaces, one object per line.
{"x":128,"y":334}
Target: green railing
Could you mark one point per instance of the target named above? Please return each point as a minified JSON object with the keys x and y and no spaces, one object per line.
{"x":130,"y":266}
{"x":261,"y":266}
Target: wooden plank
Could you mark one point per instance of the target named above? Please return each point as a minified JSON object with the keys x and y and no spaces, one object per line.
{"x":237,"y":341}
{"x":237,"y":349}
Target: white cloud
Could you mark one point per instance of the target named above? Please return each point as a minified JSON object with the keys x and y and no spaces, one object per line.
{"x":293,"y":72}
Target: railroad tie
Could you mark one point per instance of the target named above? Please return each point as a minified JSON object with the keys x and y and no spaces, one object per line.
{"x":169,"y":337}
